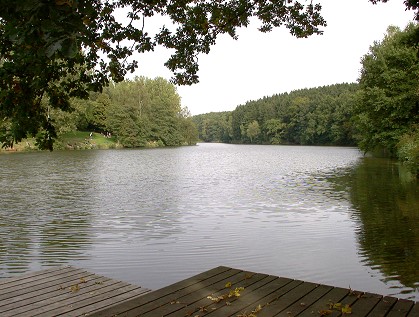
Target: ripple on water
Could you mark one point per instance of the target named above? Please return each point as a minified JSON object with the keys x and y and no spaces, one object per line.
{"x":153,"y":217}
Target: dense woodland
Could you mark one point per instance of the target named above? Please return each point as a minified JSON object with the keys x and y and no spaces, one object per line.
{"x":139,"y":112}
{"x":308,"y":116}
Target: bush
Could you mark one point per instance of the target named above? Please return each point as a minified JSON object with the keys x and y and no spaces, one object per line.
{"x":408,"y":150}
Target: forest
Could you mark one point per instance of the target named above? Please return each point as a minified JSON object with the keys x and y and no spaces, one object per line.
{"x":137,"y":113}
{"x":379,"y":114}
{"x":315,"y":116}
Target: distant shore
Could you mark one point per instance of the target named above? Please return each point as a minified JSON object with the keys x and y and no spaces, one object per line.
{"x":75,"y":140}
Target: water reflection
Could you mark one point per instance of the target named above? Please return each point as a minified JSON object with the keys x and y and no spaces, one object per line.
{"x":43,"y":216}
{"x":386,"y":207}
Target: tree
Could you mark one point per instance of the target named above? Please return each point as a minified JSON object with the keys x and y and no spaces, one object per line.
{"x":253,"y":130}
{"x":189,"y":131}
{"x":275,"y":129}
{"x":58,"y":49}
{"x":388,"y":103}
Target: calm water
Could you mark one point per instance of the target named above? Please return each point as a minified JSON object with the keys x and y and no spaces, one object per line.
{"x":153,"y":217}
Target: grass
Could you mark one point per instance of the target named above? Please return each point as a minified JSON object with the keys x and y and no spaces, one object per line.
{"x":75,"y":140}
{"x":80,"y":140}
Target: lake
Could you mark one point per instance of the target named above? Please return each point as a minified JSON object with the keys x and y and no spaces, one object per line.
{"x":153,"y":217}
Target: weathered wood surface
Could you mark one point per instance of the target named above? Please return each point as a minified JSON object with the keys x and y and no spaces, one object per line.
{"x":262,"y":295}
{"x":62,"y":291}
{"x":68,"y":291}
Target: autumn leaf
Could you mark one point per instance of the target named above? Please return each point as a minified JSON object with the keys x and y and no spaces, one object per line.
{"x":236,"y":292}
{"x":217,"y":299}
{"x":325,"y":312}
{"x":257,"y":309}
{"x":228,"y":285}
{"x":74,"y":288}
{"x":346,"y":309}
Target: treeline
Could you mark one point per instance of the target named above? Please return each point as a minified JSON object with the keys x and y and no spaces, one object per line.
{"x":139,"y":112}
{"x":380,"y":114}
{"x":316,"y":116}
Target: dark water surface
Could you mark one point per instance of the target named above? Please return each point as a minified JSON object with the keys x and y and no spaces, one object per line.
{"x":153,"y":217}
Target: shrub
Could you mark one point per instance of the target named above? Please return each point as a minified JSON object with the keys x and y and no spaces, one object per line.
{"x":408,"y":150}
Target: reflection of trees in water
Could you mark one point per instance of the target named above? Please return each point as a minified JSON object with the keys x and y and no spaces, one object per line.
{"x":388,"y":208}
{"x":48,"y":237}
{"x":44,"y":215}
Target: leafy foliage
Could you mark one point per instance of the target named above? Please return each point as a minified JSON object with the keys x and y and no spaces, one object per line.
{"x":141,"y":112}
{"x":388,"y":101}
{"x":253,"y":130}
{"x":408,"y":150}
{"x":214,"y":126}
{"x":59,"y":49}
{"x":134,"y":113}
{"x":308,"y":116}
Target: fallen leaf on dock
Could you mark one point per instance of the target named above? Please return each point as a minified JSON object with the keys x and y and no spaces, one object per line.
{"x":346,"y":309}
{"x":325,"y":312}
{"x":75,"y":288}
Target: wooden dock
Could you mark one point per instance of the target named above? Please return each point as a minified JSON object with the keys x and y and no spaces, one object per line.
{"x":62,"y":291}
{"x":219,"y":292}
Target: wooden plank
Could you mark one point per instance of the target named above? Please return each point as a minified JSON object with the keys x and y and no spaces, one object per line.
{"x":17,"y":282}
{"x":401,"y":308}
{"x":129,"y":308}
{"x":383,"y":307}
{"x":49,"y":271}
{"x":38,"y":281}
{"x":45,"y":296}
{"x":349,"y":300}
{"x":33,"y":291}
{"x":365,"y":304}
{"x":188,"y":295}
{"x":70,"y":301}
{"x":82,"y":306}
{"x":267,"y":293}
{"x":63,"y":295}
{"x":284,"y":301}
{"x":414,"y":312}
{"x":191,"y":301}
{"x":334,"y":296}
{"x":52,"y":292}
{"x":305,"y":302}
{"x":109,"y":302}
{"x":203,"y":305}
{"x":251,"y":296}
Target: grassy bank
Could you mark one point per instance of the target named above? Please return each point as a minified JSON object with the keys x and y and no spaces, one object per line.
{"x":76,"y":140}
{"x":80,"y":140}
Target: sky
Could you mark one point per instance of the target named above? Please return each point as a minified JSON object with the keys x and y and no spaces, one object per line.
{"x":263,"y":64}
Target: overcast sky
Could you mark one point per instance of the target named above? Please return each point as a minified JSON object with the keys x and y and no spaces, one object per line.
{"x":258,"y":64}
